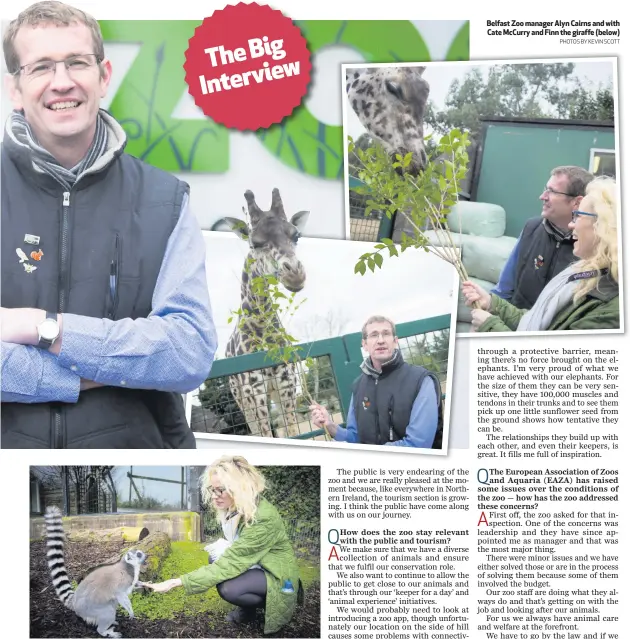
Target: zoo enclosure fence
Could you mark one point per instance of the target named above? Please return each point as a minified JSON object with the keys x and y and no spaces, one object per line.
{"x":76,"y":490}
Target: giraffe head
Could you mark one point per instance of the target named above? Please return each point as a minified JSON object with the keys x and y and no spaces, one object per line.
{"x":272,"y":240}
{"x":390,"y":102}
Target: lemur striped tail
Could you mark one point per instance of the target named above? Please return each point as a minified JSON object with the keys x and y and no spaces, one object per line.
{"x":55,"y":556}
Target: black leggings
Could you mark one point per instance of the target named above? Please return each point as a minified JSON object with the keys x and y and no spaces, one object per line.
{"x":246,"y":590}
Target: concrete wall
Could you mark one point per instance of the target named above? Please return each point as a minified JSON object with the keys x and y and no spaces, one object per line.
{"x":179,"y":526}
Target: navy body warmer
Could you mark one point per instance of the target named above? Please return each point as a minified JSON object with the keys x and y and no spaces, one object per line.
{"x":382,"y":406}
{"x":541,"y":257}
{"x":119,"y":218}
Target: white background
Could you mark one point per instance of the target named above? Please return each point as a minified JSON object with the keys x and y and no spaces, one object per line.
{"x":14,"y":466}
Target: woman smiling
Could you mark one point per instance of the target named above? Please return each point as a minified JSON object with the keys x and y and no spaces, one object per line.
{"x":585,"y":295}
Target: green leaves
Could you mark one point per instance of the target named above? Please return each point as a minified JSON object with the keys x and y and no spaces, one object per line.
{"x":424,"y":200}
{"x":271,"y":308}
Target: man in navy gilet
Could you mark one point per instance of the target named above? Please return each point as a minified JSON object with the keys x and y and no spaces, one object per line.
{"x":105,"y":314}
{"x":393,"y":403}
{"x":545,"y":245}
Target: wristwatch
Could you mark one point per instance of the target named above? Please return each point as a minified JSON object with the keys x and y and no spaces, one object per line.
{"x":48,"y":331}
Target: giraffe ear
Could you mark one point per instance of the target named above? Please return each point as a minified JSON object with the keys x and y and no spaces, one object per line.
{"x":238,"y":227}
{"x":299,"y":220}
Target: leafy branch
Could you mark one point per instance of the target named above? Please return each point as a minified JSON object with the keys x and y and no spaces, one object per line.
{"x":423,"y":200}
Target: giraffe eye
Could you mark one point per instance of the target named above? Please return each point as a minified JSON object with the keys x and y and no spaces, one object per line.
{"x":295,"y":237}
{"x":394,"y":89}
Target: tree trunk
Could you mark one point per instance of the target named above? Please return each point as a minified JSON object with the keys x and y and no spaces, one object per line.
{"x":156,"y":546}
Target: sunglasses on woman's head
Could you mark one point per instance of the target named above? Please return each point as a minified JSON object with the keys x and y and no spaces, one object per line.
{"x":218,"y":492}
{"x":576,"y":214}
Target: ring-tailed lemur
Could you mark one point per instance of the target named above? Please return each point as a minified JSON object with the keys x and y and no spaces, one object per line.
{"x":101,"y":591}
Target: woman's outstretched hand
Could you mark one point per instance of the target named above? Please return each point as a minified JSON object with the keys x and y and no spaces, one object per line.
{"x":164,"y":586}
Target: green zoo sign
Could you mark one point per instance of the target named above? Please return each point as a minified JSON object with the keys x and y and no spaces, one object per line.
{"x":155,"y":83}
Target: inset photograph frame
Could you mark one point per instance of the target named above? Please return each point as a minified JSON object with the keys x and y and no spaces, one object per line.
{"x":291,"y":317}
{"x":170,"y":543}
{"x":529,"y":137}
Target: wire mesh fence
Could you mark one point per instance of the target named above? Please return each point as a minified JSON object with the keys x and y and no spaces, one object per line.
{"x":363,"y":228}
{"x":268,"y":402}
{"x":76,"y":490}
{"x":272,"y":402}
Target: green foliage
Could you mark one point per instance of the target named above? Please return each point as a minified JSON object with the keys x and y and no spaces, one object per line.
{"x":273,"y":309}
{"x":425,"y":200}
{"x":146,"y":502}
{"x":185,"y":557}
{"x":518,"y":90}
{"x":431,"y":352}
{"x":294,"y":491}
{"x":588,"y":105}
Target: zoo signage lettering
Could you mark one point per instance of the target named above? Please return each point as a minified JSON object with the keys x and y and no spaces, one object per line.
{"x":155,"y":83}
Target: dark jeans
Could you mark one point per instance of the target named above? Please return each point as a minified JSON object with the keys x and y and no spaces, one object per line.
{"x":247,"y":590}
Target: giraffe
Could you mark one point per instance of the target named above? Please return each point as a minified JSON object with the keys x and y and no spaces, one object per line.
{"x":390,"y":102}
{"x":272,"y":240}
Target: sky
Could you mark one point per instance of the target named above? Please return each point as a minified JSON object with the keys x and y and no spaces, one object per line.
{"x":440,"y":77}
{"x":166,"y":492}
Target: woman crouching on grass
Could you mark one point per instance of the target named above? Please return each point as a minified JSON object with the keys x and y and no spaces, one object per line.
{"x":254,"y":566}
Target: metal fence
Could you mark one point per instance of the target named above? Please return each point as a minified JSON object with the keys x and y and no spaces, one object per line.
{"x":154,"y":496}
{"x":267,"y":402}
{"x":76,"y":490}
{"x":366,"y":228}
{"x":363,"y":228}
{"x":245,"y":396}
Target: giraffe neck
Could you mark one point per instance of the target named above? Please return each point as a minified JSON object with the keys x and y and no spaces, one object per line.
{"x":258,"y":305}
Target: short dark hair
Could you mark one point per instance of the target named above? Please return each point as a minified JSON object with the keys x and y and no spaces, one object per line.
{"x":377,"y":319}
{"x":577,"y":176}
{"x":48,"y":12}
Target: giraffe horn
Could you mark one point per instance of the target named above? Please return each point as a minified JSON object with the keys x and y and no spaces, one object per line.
{"x":255,"y":213}
{"x":276,"y":204}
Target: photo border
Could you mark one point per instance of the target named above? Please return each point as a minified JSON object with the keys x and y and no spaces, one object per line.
{"x":486,"y":62}
{"x":333,"y":445}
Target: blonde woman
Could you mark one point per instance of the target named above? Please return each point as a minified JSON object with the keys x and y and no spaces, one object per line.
{"x":585,"y":295}
{"x":255,"y":566}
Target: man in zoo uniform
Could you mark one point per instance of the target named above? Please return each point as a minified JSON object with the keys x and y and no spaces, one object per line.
{"x":393,"y":403}
{"x":545,"y":246}
{"x":105,"y":314}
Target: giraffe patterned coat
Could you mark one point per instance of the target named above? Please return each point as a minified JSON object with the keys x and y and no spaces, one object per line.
{"x":265,"y":543}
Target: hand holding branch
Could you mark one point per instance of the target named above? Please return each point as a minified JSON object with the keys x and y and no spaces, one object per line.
{"x":322,"y":419}
{"x":476,"y":294}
